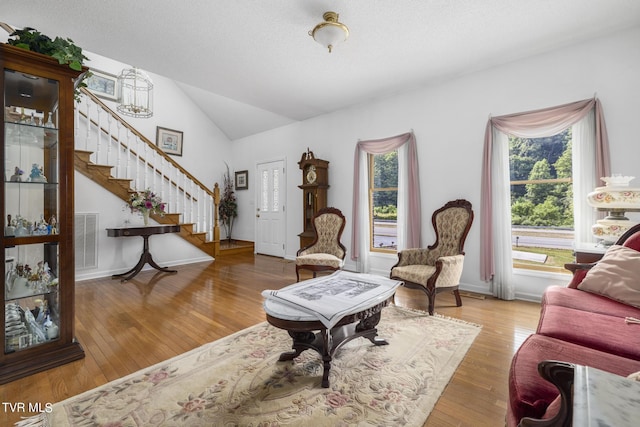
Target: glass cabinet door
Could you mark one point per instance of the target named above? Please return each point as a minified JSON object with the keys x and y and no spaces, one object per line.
{"x":31,"y":203}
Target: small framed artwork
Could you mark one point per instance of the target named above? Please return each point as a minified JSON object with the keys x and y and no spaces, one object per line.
{"x":169,"y":141}
{"x":242,"y":180}
{"x":103,"y":85}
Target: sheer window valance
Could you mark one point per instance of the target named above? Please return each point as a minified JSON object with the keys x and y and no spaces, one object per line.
{"x":409,"y":215}
{"x":532,"y":124}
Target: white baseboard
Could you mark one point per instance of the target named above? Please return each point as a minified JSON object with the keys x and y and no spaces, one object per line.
{"x":84,"y":275}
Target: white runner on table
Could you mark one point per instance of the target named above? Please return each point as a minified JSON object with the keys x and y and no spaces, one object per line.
{"x":329,"y":298}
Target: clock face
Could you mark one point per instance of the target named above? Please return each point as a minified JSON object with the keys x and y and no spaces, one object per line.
{"x":311,"y":174}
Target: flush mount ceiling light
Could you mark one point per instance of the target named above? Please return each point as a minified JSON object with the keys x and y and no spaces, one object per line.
{"x":330,"y":32}
{"x":136,"y":93}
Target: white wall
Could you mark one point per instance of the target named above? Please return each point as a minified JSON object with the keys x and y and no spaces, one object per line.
{"x":205,"y":149}
{"x":448,"y":119}
{"x":449,"y":122}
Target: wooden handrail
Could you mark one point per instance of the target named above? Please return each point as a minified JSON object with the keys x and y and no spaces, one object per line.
{"x":133,"y":130}
{"x":141,"y":158}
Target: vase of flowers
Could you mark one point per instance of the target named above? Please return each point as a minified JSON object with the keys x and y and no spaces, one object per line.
{"x":146,"y":202}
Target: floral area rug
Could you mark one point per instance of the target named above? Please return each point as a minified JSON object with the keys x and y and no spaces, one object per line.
{"x":238,"y":381}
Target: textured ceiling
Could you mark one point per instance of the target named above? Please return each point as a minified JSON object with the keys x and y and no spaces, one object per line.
{"x":251,"y":65}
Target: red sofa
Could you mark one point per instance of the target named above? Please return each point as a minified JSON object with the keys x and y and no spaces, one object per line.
{"x":580,"y":327}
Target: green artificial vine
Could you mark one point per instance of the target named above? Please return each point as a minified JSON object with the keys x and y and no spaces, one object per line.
{"x":64,"y":50}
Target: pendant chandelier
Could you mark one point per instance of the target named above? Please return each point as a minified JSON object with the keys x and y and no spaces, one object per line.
{"x":136,"y":93}
{"x":330,"y":32}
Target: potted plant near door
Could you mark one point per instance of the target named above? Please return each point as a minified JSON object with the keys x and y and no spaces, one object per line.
{"x":228,"y":208}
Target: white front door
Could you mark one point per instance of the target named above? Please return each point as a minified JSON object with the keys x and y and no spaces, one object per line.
{"x":270,"y":205}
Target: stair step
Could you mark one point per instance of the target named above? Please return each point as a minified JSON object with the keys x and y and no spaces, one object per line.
{"x":125,"y":183}
{"x":101,"y":169}
{"x":235,"y":247}
{"x":84,"y":156}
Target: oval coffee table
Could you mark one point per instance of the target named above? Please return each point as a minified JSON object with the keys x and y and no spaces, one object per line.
{"x":302,"y":328}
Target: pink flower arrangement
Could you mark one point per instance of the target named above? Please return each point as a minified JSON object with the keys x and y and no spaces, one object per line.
{"x":146,"y":201}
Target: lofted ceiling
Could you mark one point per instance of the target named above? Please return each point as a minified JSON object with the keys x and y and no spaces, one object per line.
{"x":250,"y":65}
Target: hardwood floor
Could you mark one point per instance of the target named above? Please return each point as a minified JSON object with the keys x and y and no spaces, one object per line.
{"x":124,"y":327}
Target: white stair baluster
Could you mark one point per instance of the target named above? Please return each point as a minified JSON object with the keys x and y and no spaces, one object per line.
{"x":98,"y":134}
{"x":88,"y":113}
{"x":119,"y":173}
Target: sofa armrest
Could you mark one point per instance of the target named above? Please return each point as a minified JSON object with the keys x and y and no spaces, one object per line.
{"x":560,"y":374}
{"x":579,"y":271}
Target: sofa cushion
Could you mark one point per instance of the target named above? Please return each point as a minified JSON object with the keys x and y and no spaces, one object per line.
{"x":587,"y":301}
{"x":616,"y":276}
{"x":594,"y":330}
{"x":633,"y":241}
{"x":530,"y":394}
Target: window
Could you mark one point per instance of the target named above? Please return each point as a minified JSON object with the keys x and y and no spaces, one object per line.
{"x":590,"y":160}
{"x":383,"y":201}
{"x":541,"y":201}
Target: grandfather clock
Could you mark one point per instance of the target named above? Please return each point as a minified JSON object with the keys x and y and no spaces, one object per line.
{"x":315,"y":182}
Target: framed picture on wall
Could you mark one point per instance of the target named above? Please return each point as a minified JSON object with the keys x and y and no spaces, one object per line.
{"x":103,"y":85}
{"x":169,"y":141}
{"x":242,"y":180}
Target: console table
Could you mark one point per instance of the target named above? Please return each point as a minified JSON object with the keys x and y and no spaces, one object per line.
{"x":145,"y":232}
{"x":587,"y":253}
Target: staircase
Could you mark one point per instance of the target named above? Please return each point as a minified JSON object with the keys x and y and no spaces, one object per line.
{"x":132,"y":162}
{"x":116,"y":156}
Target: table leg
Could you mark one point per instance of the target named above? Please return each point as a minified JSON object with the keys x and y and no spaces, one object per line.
{"x":367,"y":329}
{"x":145,"y":258}
{"x":327,"y":355}
{"x":301,"y":342}
{"x":327,"y":342}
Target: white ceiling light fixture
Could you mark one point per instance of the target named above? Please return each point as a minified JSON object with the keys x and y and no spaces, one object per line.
{"x":136,"y":93}
{"x":330,"y":32}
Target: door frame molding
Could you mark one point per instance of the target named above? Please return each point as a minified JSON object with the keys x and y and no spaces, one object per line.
{"x":256,"y":185}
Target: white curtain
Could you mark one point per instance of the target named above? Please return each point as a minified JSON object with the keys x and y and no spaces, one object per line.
{"x":502,"y":284}
{"x":403,"y":179}
{"x":363,"y":194}
{"x":583,"y":152}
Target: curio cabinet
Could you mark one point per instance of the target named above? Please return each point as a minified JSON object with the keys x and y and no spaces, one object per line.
{"x":37,"y":211}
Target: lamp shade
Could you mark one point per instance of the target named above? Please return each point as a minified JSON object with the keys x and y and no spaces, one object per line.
{"x":330,"y":33}
{"x":616,"y":198}
{"x":617,"y":194}
{"x":136,"y":93}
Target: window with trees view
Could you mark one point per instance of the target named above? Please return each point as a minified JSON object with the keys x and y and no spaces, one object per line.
{"x":383,"y":201}
{"x":541,"y":201}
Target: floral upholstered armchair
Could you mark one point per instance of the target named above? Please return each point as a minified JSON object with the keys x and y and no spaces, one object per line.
{"x":438,"y":267}
{"x":326,"y":253}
